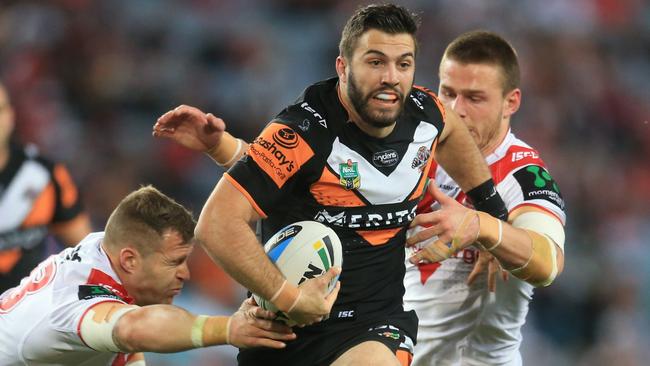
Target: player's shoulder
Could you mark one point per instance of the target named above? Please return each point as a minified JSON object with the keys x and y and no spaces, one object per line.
{"x":425,"y":105}
{"x":515,"y":154}
{"x":315,"y":116}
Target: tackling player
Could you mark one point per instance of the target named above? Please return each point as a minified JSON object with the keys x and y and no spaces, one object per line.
{"x":461,"y":322}
{"x":108,"y":299}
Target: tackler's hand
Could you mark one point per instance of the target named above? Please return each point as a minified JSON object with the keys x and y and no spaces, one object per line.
{"x":485,"y":259}
{"x":191,"y":128}
{"x":455,"y":226}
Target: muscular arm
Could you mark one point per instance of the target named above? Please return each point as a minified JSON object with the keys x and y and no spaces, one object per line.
{"x":116,"y":327}
{"x":516,"y":246}
{"x":530,"y":248}
{"x":223,"y":230}
{"x":458,"y":154}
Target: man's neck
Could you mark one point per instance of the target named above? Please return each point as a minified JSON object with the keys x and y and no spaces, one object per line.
{"x":492,"y":146}
{"x":378,"y":132}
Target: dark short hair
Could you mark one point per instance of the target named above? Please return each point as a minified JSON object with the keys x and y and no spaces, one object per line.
{"x":485,"y":47}
{"x":388,"y":18}
{"x":143,"y":216}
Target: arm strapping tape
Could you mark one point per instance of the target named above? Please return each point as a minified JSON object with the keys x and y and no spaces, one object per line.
{"x":99,"y":335}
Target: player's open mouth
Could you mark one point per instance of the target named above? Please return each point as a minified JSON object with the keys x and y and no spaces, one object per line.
{"x":386,"y":98}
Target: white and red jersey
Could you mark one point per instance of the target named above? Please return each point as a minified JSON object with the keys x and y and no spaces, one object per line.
{"x":468,"y":325}
{"x":40,"y":318}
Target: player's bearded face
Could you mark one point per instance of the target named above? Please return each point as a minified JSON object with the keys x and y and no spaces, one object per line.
{"x":371,"y":108}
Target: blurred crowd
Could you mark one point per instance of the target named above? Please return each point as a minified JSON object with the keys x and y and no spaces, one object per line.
{"x":89,"y":78}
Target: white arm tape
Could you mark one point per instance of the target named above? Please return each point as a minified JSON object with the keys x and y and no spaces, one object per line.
{"x":543,"y":224}
{"x":99,"y":335}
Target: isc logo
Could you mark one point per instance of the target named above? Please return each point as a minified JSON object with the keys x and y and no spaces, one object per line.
{"x":346,"y":314}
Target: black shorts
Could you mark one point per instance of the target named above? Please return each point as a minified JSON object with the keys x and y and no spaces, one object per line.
{"x":324,"y":343}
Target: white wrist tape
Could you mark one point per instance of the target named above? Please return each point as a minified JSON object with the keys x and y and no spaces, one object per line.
{"x":99,"y":335}
{"x":197,"y":331}
{"x":235,"y":155}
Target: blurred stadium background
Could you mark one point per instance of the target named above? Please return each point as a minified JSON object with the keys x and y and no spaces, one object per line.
{"x":89,"y":79}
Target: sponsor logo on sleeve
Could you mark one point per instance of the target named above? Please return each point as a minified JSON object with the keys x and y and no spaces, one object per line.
{"x":87,"y":292}
{"x":280,"y":152}
{"x":537,"y":184}
{"x":518,"y":155}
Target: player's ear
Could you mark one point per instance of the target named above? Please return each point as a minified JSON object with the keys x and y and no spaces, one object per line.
{"x":129,"y":259}
{"x":341,"y":66}
{"x":511,"y":103}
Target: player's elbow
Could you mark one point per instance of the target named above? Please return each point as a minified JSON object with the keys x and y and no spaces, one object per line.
{"x":125,"y":336}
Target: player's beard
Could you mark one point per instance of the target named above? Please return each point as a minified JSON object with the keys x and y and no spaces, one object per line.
{"x":360,"y":102}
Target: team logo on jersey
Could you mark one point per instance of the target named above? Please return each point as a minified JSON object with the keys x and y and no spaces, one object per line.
{"x":421,"y":158}
{"x":537,"y":184}
{"x":385,"y":158}
{"x":349,"y":173}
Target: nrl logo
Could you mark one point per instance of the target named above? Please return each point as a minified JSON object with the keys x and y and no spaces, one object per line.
{"x":349,"y":173}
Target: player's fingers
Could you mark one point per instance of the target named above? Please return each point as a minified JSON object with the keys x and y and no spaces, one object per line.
{"x":425,"y":219}
{"x":265,"y":342}
{"x":263,"y":314}
{"x":330,"y":275}
{"x":422,"y":235}
{"x":279,"y":327}
{"x":215,"y":123}
{"x":418,"y":257}
{"x":282,"y":336}
{"x":493,"y":269}
{"x":479,"y":267}
{"x":331,"y":297}
{"x":165,"y":118}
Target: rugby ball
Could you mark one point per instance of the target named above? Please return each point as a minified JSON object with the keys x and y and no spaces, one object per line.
{"x":301,"y":251}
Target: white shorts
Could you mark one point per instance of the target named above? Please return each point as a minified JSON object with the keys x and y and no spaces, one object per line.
{"x":461,"y":325}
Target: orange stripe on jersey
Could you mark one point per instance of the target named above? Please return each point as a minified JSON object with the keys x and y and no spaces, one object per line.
{"x":245,"y":193}
{"x":528,"y":207}
{"x":42,"y":208}
{"x":68,"y":189}
{"x":328,"y":191}
{"x":433,"y":95}
{"x":425,"y":174}
{"x":280,"y":152}
{"x":9,"y":258}
{"x":404,"y":357}
{"x":378,"y":237}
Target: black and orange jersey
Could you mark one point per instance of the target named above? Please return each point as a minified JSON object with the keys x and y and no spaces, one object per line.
{"x":312,"y":163}
{"x":34,"y":193}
